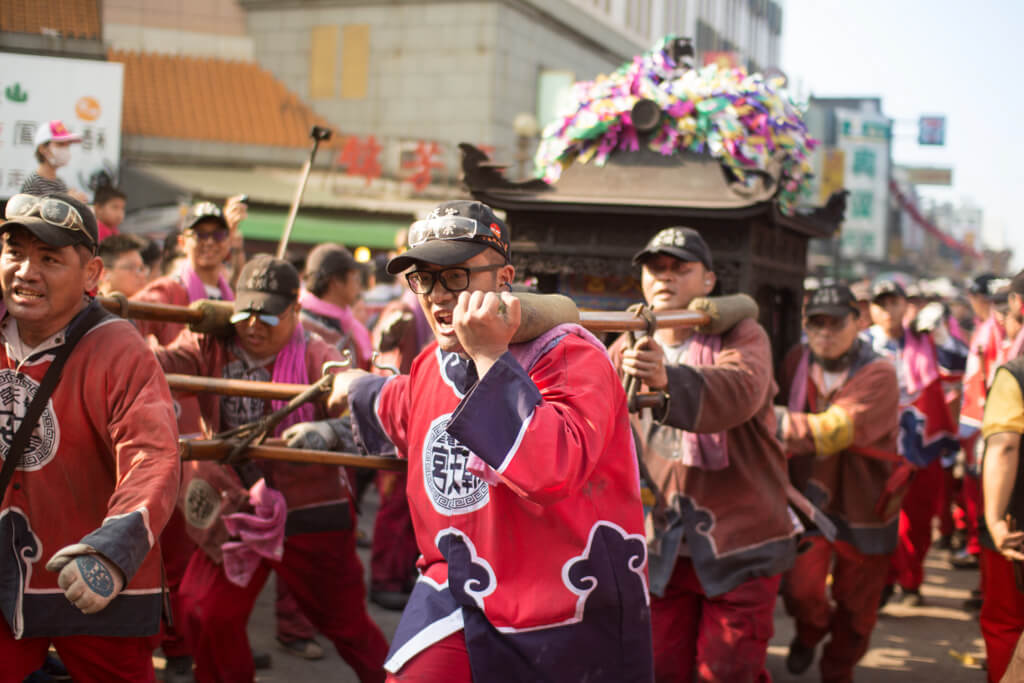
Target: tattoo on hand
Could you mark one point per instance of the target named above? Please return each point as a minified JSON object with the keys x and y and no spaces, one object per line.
{"x":96,"y":576}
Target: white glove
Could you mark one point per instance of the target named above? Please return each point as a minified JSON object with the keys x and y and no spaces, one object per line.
{"x":89,"y":581}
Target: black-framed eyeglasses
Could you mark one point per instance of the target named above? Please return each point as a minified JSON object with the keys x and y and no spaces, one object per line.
{"x":454,"y":279}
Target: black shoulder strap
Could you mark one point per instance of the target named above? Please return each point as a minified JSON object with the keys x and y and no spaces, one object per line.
{"x":89,"y":318}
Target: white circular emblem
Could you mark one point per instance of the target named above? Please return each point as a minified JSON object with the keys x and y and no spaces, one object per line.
{"x":16,"y":393}
{"x":202,"y":503}
{"x":451,"y":488}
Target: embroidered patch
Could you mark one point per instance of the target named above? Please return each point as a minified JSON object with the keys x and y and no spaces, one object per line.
{"x":202,"y":504}
{"x":452,"y":489}
{"x":16,"y":393}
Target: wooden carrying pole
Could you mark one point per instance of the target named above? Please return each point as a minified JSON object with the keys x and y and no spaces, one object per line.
{"x":218,"y":449}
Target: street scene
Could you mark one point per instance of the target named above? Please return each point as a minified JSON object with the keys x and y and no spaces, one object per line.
{"x":510,"y":340}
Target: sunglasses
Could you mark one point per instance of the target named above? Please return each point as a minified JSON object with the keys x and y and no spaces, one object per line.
{"x":56,"y":212}
{"x":218,"y":235}
{"x":266,"y":318}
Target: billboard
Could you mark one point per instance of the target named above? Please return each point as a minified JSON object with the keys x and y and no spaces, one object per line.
{"x":931,"y":130}
{"x":864,"y":137}
{"x":85,"y":94}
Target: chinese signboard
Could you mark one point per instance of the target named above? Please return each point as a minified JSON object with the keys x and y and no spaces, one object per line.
{"x":84,"y":94}
{"x":929,"y":175}
{"x":931,"y":130}
{"x":864,"y":138}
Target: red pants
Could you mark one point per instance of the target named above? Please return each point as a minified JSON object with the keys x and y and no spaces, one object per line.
{"x":89,"y":659}
{"x":1002,"y":612}
{"x":724,"y":638}
{"x":292,"y":624}
{"x":324,"y":576}
{"x":446,"y":660}
{"x":858,"y":581}
{"x":393,"y":559}
{"x":972,"y":511}
{"x":920,"y":505}
{"x":177,"y":549}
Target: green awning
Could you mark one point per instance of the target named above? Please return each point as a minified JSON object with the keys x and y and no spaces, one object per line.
{"x":350,"y":231}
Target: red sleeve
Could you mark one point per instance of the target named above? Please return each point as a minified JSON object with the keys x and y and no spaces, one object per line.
{"x":165,"y":290}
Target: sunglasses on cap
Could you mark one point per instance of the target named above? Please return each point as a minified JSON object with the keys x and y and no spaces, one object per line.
{"x":444,"y":228}
{"x":56,"y":212}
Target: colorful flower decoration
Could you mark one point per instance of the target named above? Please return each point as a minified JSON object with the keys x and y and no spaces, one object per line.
{"x":744,"y":121}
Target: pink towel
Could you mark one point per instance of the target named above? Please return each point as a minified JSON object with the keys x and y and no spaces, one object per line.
{"x":290,"y":368}
{"x":798,"y":390}
{"x":196,"y":288}
{"x":344,"y":316}
{"x":707,"y":451}
{"x":261,"y":533}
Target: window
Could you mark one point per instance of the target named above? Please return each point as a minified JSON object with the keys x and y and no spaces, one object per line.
{"x":323,"y":51}
{"x":355,"y":61}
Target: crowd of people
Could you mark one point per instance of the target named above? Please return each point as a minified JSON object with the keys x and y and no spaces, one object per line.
{"x":542,"y":531}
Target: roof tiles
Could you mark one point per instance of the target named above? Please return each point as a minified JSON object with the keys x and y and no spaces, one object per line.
{"x":198,"y":98}
{"x":70,"y":18}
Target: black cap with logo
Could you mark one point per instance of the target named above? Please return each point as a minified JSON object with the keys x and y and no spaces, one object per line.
{"x":883,"y":287}
{"x":835,"y":301}
{"x":267,"y":285}
{"x":453,"y":232}
{"x":685,"y":244}
{"x":204,"y":211}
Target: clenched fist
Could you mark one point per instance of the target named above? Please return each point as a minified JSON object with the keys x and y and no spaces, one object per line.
{"x":485,"y":322}
{"x":89,"y":581}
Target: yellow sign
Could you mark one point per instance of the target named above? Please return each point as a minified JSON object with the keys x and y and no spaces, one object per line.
{"x":833,"y":173}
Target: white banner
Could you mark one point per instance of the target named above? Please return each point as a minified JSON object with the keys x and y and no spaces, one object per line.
{"x":85,"y":94}
{"x":864,"y":138}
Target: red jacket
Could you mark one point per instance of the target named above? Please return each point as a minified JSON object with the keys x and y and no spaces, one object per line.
{"x":317,"y":495}
{"x":102,"y":470}
{"x":545,"y":568}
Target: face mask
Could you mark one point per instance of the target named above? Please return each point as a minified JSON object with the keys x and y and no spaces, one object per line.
{"x":60,"y":156}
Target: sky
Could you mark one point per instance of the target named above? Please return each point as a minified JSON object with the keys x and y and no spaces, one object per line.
{"x":959,"y":58}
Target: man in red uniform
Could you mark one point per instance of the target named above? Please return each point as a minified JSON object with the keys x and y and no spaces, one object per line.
{"x":841,"y":428}
{"x":318,"y":562}
{"x":333,"y":283}
{"x":719,"y":551}
{"x":927,"y":430}
{"x":97,"y":480}
{"x":1002,"y":541}
{"x":522,"y":481}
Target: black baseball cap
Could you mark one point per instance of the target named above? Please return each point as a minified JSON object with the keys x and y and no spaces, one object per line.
{"x":883,"y":287}
{"x":330,"y":259}
{"x":835,"y":301}
{"x":267,"y":285}
{"x":204,"y":211}
{"x":52,"y":232}
{"x":452,"y":233}
{"x":685,"y":244}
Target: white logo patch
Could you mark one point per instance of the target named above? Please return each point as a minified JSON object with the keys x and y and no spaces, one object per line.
{"x":16,"y":393}
{"x":451,"y":488}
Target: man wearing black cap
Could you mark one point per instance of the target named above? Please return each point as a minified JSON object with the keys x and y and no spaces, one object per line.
{"x":83,"y":497}
{"x":927,"y":429}
{"x":206,"y":242}
{"x":711,"y":453}
{"x":319,"y":562}
{"x":840,"y":428}
{"x":523,"y":489}
{"x":333,"y":283}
